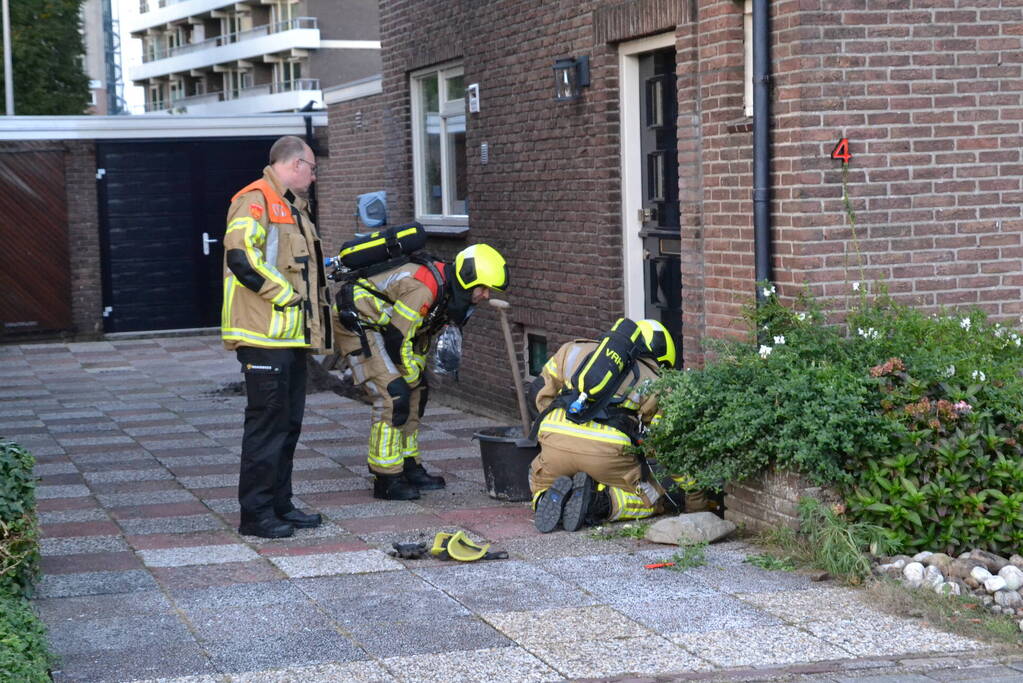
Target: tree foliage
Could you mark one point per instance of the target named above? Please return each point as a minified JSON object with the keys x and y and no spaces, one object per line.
{"x":47,"y":58}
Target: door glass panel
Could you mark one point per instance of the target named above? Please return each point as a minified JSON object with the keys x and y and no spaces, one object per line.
{"x":456,"y":183}
{"x":654,"y":102}
{"x":655,"y":176}
{"x":430,"y":106}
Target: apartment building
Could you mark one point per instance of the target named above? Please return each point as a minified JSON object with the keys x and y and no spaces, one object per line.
{"x":255,"y":56}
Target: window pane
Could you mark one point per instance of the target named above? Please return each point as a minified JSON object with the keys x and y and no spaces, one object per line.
{"x":456,"y":182}
{"x":455,"y":88}
{"x":430,"y":106}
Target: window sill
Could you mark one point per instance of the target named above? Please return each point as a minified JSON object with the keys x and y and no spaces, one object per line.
{"x":446,"y":231}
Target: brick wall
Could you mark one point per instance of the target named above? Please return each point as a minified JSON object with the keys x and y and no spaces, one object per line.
{"x":930,"y":99}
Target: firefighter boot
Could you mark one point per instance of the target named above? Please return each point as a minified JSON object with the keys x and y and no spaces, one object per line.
{"x":416,"y":475}
{"x":393,"y":487}
{"x":588,"y":504}
{"x":550,"y":505}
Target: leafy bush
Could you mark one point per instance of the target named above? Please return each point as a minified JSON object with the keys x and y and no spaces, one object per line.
{"x":19,"y":553}
{"x":23,"y":651}
{"x":914,"y":418}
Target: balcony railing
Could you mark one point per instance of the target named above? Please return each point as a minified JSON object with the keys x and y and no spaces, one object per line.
{"x":228,"y":38}
{"x":145,"y":4}
{"x":250,"y":91}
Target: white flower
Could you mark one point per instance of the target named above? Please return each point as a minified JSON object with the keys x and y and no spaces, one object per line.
{"x":801,"y":316}
{"x":779,"y":340}
{"x":965,"y":323}
{"x":950,"y":370}
{"x":869,"y":333}
{"x":1000,"y":331}
{"x":979,"y":374}
{"x":856,"y":286}
{"x":626,"y":526}
{"x":769,"y":290}
{"x":765,"y":351}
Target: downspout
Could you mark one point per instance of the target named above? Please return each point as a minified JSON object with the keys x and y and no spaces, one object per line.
{"x":762,"y":246}
{"x":310,"y":140}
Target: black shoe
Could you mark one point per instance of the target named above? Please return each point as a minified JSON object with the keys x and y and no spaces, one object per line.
{"x":301,"y":520}
{"x":266,"y":528}
{"x":551,"y":505}
{"x":579,"y":503}
{"x":393,"y":487}
{"x":417,"y":475}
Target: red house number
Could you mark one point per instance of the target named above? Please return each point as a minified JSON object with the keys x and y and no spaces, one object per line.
{"x":841,"y":151}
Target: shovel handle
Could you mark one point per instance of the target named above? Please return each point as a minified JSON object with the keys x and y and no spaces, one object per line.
{"x":501,"y":307}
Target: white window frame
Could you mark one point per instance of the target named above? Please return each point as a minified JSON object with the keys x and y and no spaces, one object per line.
{"x":747,"y":58}
{"x":448,"y":108}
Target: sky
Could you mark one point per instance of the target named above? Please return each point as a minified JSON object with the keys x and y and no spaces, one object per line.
{"x":126,"y":12}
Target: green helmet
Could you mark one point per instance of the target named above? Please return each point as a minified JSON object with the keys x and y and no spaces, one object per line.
{"x":658,"y":340}
{"x":481,"y":264}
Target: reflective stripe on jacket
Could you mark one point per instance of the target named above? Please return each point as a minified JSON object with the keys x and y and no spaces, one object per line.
{"x":275,"y":293}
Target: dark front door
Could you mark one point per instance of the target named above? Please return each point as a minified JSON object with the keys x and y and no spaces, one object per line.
{"x":662,"y":264}
{"x":162,"y":211}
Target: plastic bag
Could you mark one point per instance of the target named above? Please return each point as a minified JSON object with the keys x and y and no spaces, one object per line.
{"x":447,"y":353}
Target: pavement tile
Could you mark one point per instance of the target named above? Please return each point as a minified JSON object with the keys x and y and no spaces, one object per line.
{"x":208,"y":481}
{"x":83,"y":515}
{"x":636,"y":656}
{"x":62,"y":491}
{"x":693,"y":614}
{"x":125,"y":665}
{"x":135,"y":486}
{"x":877,"y":634}
{"x":989,"y":674}
{"x":339,"y":498}
{"x":619,"y":579}
{"x":819,"y":603}
{"x":170,"y":525}
{"x":181,"y":540}
{"x":78,"y":529}
{"x":258,"y":594}
{"x":758,"y":646}
{"x":133,"y":474}
{"x":94,"y":583}
{"x":113,"y":500}
{"x":201,"y":576}
{"x":59,"y":479}
{"x":504,"y":585}
{"x":89,"y":562}
{"x":118,"y":633}
{"x":218,"y":493}
{"x":355,"y":562}
{"x":565,"y":625}
{"x":325,"y":485}
{"x":203,"y":554}
{"x":557,"y":545}
{"x":494,"y":665}
{"x":411,"y":636}
{"x":191,"y":507}
{"x":377,"y":508}
{"x":84,"y":544}
{"x":257,"y":622}
{"x":54,"y":504}
{"x":495,"y":523}
{"x":373,"y":525}
{"x":353,"y":672}
{"x":56,"y":610}
{"x":391,"y":597}
{"x":281,"y":650}
{"x":315,"y":546}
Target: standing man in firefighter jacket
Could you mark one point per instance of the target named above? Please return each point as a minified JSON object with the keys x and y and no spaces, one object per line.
{"x":583,"y":474}
{"x":276,"y":310}
{"x":395,"y":314}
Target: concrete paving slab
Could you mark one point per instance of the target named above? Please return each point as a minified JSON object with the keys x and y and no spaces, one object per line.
{"x":355,"y":672}
{"x":874,"y":634}
{"x":281,"y":650}
{"x":58,"y":610}
{"x":634,"y":656}
{"x":257,"y":622}
{"x":119,"y":633}
{"x":566,"y":625}
{"x":115,"y":666}
{"x":94,"y":583}
{"x":695,"y":614}
{"x":758,"y":646}
{"x":494,"y":665}
{"x":203,"y":554}
{"x":425,"y":635}
{"x":85,"y":544}
{"x":357,"y":562}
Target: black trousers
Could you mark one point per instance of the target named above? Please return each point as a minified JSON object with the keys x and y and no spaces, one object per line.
{"x":275,"y":385}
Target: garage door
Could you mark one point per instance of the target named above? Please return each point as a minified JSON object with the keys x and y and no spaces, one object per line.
{"x":162,"y":211}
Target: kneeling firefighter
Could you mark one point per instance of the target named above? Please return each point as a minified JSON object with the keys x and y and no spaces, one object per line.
{"x":583,"y":474}
{"x":384,"y":326}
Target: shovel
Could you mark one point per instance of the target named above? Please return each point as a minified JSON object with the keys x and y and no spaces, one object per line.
{"x":502,"y":308}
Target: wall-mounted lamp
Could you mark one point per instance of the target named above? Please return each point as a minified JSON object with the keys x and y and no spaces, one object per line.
{"x":571,"y":75}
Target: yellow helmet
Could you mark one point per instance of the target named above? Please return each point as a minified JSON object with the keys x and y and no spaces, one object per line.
{"x":658,"y":340}
{"x":481,"y":264}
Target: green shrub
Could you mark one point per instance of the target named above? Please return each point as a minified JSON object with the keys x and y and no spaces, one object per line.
{"x":24,"y":656}
{"x":916,"y":419}
{"x":19,"y":550}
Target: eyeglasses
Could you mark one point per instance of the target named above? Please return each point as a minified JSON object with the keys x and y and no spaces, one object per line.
{"x":312,"y":167}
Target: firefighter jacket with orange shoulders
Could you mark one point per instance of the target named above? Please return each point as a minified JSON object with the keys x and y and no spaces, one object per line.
{"x":275,"y":291}
{"x":633,"y":396}
{"x":402,"y":330}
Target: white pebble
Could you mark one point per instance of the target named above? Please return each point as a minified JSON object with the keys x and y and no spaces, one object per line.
{"x":980,"y":574}
{"x":1013,"y":576}
{"x":914,"y":572}
{"x":994,"y":584}
{"x":921,"y":556}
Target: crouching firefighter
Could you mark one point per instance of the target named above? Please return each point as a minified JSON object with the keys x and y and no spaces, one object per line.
{"x":384,"y":325}
{"x":593,"y":404}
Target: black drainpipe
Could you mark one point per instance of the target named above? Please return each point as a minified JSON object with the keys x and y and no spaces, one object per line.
{"x":310,"y":140}
{"x":762,"y":246}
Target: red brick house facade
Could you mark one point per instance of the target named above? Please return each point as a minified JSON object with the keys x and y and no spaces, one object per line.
{"x":927,"y":92}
